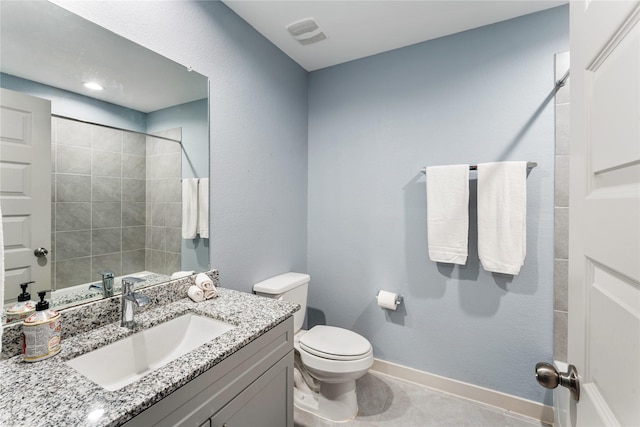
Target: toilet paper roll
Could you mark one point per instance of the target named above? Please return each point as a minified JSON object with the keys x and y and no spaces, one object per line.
{"x":387,"y":300}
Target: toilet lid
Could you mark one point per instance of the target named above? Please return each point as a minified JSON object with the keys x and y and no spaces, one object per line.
{"x":334,"y":343}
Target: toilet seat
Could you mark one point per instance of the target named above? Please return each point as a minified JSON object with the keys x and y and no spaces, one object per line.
{"x":330,"y":342}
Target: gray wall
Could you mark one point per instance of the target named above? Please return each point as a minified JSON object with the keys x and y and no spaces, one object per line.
{"x":478,"y":96}
{"x":258,"y":121}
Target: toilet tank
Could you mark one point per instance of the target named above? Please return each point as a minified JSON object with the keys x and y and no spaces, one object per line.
{"x":290,"y":287}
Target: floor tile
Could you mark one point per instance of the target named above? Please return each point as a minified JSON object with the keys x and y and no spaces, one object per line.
{"x":385,"y":402}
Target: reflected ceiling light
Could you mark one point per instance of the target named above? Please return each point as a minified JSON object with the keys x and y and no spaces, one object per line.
{"x":92,"y":86}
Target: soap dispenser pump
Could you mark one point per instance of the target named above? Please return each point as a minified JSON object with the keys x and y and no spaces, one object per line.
{"x":41,"y":332}
{"x":24,"y":307}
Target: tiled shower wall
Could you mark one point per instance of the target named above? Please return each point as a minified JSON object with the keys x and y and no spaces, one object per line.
{"x":164,"y":207}
{"x":561,"y":248}
{"x":99,"y":194}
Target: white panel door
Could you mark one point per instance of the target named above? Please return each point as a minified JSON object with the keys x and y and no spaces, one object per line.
{"x":604,"y":243}
{"x":25,"y":189}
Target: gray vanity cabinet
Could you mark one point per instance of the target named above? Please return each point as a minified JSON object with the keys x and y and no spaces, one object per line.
{"x":251,"y":387}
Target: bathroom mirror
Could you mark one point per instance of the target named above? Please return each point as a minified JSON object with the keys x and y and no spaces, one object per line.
{"x":118,"y":155}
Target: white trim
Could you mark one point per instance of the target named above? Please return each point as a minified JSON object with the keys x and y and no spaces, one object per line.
{"x":509,"y":403}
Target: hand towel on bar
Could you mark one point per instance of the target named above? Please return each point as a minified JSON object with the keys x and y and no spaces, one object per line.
{"x":195,"y":293}
{"x":448,"y":213}
{"x":189,"y":208}
{"x":502,"y":216}
{"x":204,"y":282}
{"x":203,"y":208}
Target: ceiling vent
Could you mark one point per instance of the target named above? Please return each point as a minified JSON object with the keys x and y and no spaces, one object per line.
{"x":306,"y":31}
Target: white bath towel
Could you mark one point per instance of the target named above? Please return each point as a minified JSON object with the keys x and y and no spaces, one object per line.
{"x":448,"y":213}
{"x":203,"y":207}
{"x":502,"y":216}
{"x":195,"y":293}
{"x":189,"y":208}
{"x":204,"y":282}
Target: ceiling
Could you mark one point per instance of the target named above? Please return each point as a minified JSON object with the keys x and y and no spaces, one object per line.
{"x":359,"y":28}
{"x":45,"y":43}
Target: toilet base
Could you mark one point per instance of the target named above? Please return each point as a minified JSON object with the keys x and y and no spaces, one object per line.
{"x":335,"y":402}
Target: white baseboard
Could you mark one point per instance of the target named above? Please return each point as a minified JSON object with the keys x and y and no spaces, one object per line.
{"x":505,"y":401}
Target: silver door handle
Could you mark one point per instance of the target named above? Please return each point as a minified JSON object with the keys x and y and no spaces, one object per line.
{"x":41,"y":252}
{"x":549,"y":377}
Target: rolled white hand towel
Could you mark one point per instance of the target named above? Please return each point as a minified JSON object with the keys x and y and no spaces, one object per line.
{"x":196,"y":294}
{"x":181,"y":274}
{"x":204,"y":282}
{"x":210,"y":294}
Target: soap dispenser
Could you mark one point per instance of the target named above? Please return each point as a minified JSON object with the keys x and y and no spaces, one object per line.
{"x":24,"y":307}
{"x":41,"y":332}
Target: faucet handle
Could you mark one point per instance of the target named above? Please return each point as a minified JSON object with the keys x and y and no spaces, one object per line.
{"x":127,"y":283}
{"x":107,"y":274}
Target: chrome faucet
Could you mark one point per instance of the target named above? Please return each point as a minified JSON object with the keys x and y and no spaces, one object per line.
{"x":130,"y":300}
{"x":107,"y":283}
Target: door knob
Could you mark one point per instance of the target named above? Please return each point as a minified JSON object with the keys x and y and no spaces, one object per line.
{"x":41,"y":252}
{"x":549,"y":377}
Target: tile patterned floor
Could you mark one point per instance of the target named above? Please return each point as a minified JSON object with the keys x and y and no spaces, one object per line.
{"x":385,"y":401}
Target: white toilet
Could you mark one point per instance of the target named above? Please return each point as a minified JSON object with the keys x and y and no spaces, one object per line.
{"x":328,"y":359}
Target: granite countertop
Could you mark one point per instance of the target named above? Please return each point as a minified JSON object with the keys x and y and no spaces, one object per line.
{"x":50,"y":393}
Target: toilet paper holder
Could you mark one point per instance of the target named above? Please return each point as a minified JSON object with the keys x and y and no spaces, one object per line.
{"x":399,"y":298}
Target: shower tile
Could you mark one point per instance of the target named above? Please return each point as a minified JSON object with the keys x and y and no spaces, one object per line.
{"x":562,"y":128}
{"x":73,"y":188}
{"x":157,"y":261}
{"x":106,"y":189}
{"x":173,"y":190}
{"x":106,"y":139}
{"x":53,"y":254}
{"x":54,"y":130}
{"x":174,"y":239}
{"x":72,"y":272}
{"x":133,"y":166}
{"x":70,"y":132}
{"x":75,"y":160}
{"x":54,"y":156}
{"x":106,"y":214}
{"x":561,"y":233}
{"x":173,"y":216}
{"x":172,"y":263}
{"x":158,"y":239}
{"x":562,"y":181}
{"x":561,"y":285}
{"x":72,"y":244}
{"x":134,"y":190}
{"x":157,"y":190}
{"x":133,"y":261}
{"x":106,"y":241}
{"x":154,"y":167}
{"x":560,"y":324}
{"x":133,"y":238}
{"x":134,"y":143}
{"x":171,"y":165}
{"x":133,"y":213}
{"x":105,"y":163}
{"x":73,"y":216}
{"x":111,"y":262}
{"x":158,"y":213}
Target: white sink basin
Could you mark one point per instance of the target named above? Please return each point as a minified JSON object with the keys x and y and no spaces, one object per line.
{"x":123,"y":362}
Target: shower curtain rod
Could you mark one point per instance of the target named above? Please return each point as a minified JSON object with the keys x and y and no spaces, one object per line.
{"x":530,"y":165}
{"x":114,"y":127}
